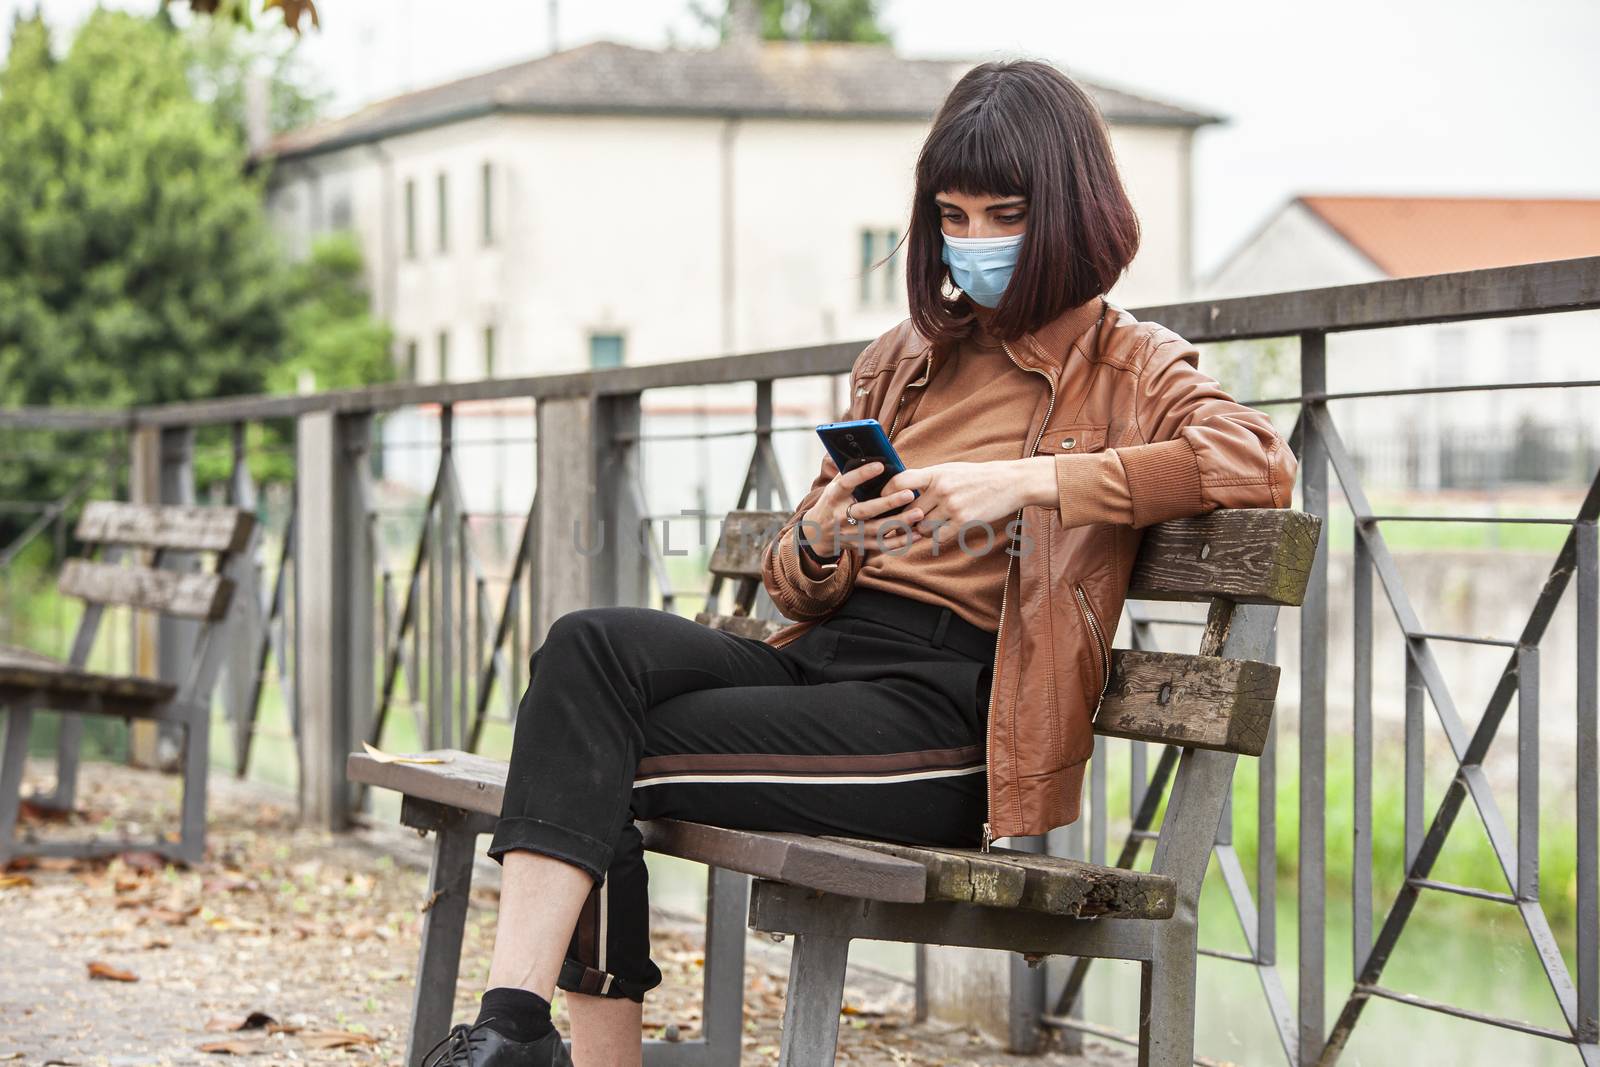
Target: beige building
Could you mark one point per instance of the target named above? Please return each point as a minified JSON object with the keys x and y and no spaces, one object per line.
{"x":610,"y":201}
{"x":1464,"y":440}
{"x":611,"y":204}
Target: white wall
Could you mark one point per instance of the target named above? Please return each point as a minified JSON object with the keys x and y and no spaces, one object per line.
{"x":1295,"y":250}
{"x":617,"y":224}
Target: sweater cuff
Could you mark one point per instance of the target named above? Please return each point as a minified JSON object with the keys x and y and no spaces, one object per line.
{"x":815,"y":594}
{"x":1091,"y":487}
{"x":1163,"y":480}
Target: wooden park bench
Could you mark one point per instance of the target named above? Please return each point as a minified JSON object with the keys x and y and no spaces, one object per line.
{"x":32,"y":682}
{"x":826,"y":891}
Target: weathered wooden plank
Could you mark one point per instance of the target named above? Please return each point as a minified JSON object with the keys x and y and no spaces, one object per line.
{"x":1060,"y":886}
{"x":799,"y":859}
{"x":477,"y":784}
{"x":743,"y":625}
{"x":22,"y":670}
{"x":187,"y":594}
{"x":186,"y":527}
{"x":1246,"y":555}
{"x":1004,"y":877}
{"x":744,"y":535}
{"x":1194,"y":701}
{"x":973,"y":877}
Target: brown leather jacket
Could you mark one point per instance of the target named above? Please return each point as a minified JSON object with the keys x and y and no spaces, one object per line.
{"x":1182,"y":446}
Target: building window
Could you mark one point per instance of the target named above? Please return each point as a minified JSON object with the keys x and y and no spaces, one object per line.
{"x":411,"y":219}
{"x":444,"y":355}
{"x":605,"y":350}
{"x":488,"y":351}
{"x":411,"y":361}
{"x":444,"y":212}
{"x":488,"y":204}
{"x":880,"y":284}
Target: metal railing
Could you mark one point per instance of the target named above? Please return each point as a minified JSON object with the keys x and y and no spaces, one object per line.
{"x":356,"y":636}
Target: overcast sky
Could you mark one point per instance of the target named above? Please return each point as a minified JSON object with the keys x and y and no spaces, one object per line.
{"x":1374,"y":96}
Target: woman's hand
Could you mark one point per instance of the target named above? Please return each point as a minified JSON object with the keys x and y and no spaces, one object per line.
{"x":983,"y":497}
{"x":824,"y":526}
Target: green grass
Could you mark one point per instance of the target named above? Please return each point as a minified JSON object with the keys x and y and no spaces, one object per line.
{"x":1454,"y":536}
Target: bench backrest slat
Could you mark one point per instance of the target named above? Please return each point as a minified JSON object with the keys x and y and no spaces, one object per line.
{"x":743,"y":625}
{"x":1193,"y":701}
{"x":1245,"y":555}
{"x":744,"y":535}
{"x":190,"y":595}
{"x":187,"y":528}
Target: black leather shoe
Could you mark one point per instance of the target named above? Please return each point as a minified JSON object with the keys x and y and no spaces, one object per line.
{"x":479,"y":1046}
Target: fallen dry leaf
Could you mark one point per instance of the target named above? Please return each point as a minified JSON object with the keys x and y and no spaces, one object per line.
{"x":385,"y":757}
{"x":34,"y":812}
{"x":256,"y":1020}
{"x":15,"y":881}
{"x":319,"y":1039}
{"x":110,"y":973}
{"x":236,"y":1046}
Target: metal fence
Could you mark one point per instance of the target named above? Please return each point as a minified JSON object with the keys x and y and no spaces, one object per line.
{"x":371,"y":616}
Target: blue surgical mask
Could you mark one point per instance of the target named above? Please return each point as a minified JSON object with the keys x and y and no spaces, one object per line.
{"x":981,"y":266}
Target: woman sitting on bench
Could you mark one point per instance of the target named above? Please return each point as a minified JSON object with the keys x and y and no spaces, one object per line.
{"x":940,"y":678}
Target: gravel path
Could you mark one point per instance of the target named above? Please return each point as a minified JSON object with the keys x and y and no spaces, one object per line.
{"x":131,"y":961}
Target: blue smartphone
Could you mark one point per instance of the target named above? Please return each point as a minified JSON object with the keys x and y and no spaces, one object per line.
{"x":853,"y":444}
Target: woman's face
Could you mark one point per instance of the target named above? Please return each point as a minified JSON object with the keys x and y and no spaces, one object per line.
{"x":981,"y":216}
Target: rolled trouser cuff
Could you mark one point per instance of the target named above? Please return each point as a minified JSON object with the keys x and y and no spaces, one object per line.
{"x":578,"y":977}
{"x":513,"y":832}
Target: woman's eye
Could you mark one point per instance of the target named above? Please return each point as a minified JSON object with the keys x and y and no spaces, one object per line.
{"x":1009,"y":219}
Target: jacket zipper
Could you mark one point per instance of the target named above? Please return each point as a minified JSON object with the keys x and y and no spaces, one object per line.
{"x":1099,"y":640}
{"x":988,"y":825}
{"x":927,"y":370}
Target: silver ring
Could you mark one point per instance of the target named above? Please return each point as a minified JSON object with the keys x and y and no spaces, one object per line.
{"x":847,"y":516}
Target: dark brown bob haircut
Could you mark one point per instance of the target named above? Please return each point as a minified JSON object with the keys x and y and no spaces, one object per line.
{"x":1021,"y":128}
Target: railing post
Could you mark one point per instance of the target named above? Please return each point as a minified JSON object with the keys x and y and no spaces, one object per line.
{"x":144,"y":487}
{"x":621,"y":572}
{"x":566,"y":516}
{"x":587,"y":524}
{"x":1313,"y":710}
{"x":334,"y":592}
{"x":163,"y":473}
{"x":246,"y":628}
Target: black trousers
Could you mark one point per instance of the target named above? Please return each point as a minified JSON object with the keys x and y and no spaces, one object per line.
{"x":871,"y":724}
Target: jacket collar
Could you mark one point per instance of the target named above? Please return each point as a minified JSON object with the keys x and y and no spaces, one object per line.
{"x":1048,"y":348}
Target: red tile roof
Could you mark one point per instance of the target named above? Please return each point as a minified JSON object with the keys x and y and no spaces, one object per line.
{"x":1410,"y":236}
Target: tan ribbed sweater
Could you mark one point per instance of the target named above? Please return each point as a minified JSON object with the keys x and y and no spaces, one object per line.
{"x":976,"y":408}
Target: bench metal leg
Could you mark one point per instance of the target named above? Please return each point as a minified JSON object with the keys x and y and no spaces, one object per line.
{"x":196,"y":767}
{"x":18,"y":723}
{"x":443,"y":925}
{"x":722,"y":1010}
{"x":816,"y":993}
{"x":1166,"y":999}
{"x":68,"y":745}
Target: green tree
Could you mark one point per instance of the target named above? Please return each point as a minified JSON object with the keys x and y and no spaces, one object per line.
{"x":334,"y":341}
{"x":806,"y":20}
{"x":136,"y":264}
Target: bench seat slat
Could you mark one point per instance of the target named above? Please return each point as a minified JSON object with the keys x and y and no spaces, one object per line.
{"x":477,"y":784}
{"x":855,"y":867}
{"x":23,"y":671}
